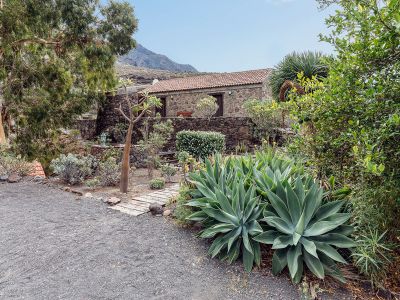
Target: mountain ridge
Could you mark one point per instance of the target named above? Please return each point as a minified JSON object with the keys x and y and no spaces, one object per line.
{"x":143,"y":57}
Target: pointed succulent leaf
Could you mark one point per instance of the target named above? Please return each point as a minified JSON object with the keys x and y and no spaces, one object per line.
{"x":310,"y":203}
{"x":198,"y":216}
{"x":330,"y":252}
{"x":254,"y":228}
{"x":330,"y":268}
{"x":246,"y":242}
{"x":280,"y":207}
{"x":329,"y":209}
{"x":233,"y":252}
{"x":219,"y":228}
{"x":335,"y":239}
{"x":205,"y":191}
{"x":309,"y":246}
{"x":224,"y":202}
{"x":257,"y":252}
{"x":221,"y":216}
{"x":293,"y":255}
{"x":299,"y":190}
{"x":216,"y":246}
{"x":248,"y":259}
{"x":322,"y":227}
{"x":343,"y":229}
{"x":294,"y":204}
{"x":279,"y":261}
{"x":234,"y":236}
{"x":282,"y":241}
{"x":267,"y":237}
{"x":314,"y":265}
{"x":296,"y":238}
{"x":279,"y":224}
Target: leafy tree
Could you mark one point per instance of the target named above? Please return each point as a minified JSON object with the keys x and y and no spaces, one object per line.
{"x":309,"y":63}
{"x":56,"y":58}
{"x":352,"y":118}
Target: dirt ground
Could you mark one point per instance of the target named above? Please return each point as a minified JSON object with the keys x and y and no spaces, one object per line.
{"x":55,"y":245}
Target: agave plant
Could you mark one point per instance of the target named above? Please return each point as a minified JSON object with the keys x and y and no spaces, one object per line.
{"x":230,"y":214}
{"x":304,"y":230}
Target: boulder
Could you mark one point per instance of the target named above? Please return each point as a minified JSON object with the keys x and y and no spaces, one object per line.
{"x":14,"y":178}
{"x":167,"y":213}
{"x":156,"y":209}
{"x":3,"y":178}
{"x":113,"y":201}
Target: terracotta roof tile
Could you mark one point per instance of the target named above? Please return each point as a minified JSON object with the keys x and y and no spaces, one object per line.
{"x":210,"y":81}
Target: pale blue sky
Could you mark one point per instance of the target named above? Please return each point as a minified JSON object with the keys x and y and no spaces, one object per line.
{"x":230,"y":35}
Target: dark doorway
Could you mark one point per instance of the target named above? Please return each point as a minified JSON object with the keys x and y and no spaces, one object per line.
{"x":220,"y":102}
{"x":163,"y":109}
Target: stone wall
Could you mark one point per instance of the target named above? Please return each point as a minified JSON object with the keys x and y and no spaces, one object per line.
{"x":233,"y":99}
{"x":87,"y":128}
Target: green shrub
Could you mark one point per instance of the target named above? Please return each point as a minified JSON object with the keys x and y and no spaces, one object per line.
{"x":109,"y":172}
{"x":200,"y":144}
{"x":13,"y":164}
{"x":182,"y":211}
{"x":92,"y":183}
{"x":168,"y":170}
{"x":302,"y":229}
{"x":74,"y":169}
{"x":157,"y":183}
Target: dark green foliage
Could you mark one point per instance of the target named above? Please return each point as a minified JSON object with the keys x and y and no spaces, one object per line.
{"x":157,"y":183}
{"x":182,"y":211}
{"x":309,"y":63}
{"x":56,"y":59}
{"x":200,"y":144}
{"x":303,"y":229}
{"x":351,"y":120}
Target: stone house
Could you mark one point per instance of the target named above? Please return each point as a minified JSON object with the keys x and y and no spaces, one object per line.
{"x":230,"y":89}
{"x":181,"y":95}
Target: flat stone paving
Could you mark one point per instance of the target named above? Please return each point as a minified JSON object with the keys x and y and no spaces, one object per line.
{"x":55,"y":245}
{"x":139,"y":205}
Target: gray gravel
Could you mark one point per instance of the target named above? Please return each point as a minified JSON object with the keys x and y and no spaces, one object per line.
{"x":55,"y":246}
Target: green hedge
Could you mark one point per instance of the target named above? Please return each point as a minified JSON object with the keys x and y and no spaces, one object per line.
{"x":200,"y":143}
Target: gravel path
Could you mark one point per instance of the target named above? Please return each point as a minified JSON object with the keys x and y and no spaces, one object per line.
{"x":55,"y":246}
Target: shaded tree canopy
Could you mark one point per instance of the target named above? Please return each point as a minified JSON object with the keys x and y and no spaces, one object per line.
{"x":56,"y":58}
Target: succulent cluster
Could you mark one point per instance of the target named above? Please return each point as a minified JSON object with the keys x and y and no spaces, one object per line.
{"x":245,"y":201}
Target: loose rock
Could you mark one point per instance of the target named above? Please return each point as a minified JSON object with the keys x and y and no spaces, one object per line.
{"x":4,"y":178}
{"x":113,"y":201}
{"x":156,"y":209}
{"x":88,"y":195}
{"x":14,"y":178}
{"x":167,"y":213}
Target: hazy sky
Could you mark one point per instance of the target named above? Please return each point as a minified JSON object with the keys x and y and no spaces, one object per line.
{"x":230,"y":35}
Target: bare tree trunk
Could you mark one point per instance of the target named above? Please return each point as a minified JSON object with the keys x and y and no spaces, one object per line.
{"x":125,"y":160}
{"x":3,"y":139}
{"x":2,"y":133}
